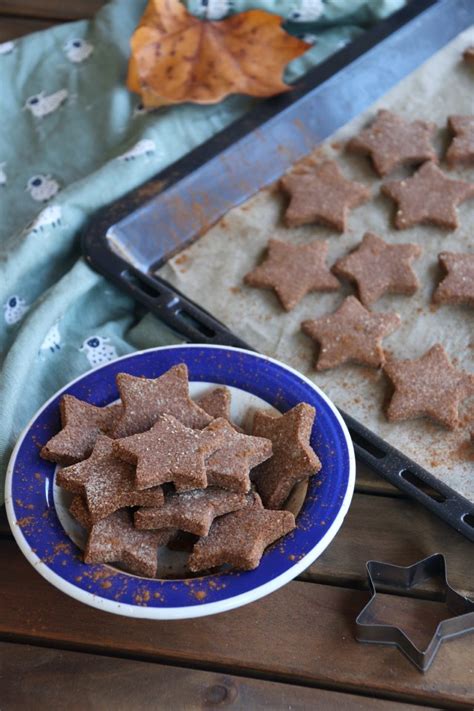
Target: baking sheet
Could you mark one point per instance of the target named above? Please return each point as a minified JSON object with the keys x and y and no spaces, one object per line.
{"x":211,"y":270}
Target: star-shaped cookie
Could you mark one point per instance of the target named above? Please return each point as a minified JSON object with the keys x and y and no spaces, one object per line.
{"x":322,"y":195}
{"x":428,"y":197}
{"x":192,"y":511}
{"x":293,"y":457}
{"x":351,"y":334}
{"x":116,"y":540}
{"x":457,"y":285}
{"x":428,"y":386}
{"x":240,"y":538}
{"x":391,"y":141}
{"x":107,"y":483}
{"x":461,"y":149}
{"x":378,"y":268}
{"x":216,"y":402}
{"x":144,"y":400}
{"x":293,"y":270}
{"x":170,"y":452}
{"x":230,"y":465}
{"x":82,"y":423}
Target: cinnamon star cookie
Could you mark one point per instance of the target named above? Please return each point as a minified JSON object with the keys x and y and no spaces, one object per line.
{"x":106,"y":482}
{"x":116,"y":540}
{"x":144,"y":400}
{"x":377,"y":268}
{"x":240,"y":538}
{"x":216,"y":402}
{"x":192,"y":511}
{"x":322,"y":195}
{"x":351,"y":334}
{"x":461,"y":149}
{"x":391,"y":141}
{"x":293,"y":457}
{"x":428,"y":386}
{"x":230,"y":465}
{"x":428,"y":197}
{"x":293,"y":271}
{"x":82,"y":423}
{"x":170,"y":452}
{"x":457,"y":286}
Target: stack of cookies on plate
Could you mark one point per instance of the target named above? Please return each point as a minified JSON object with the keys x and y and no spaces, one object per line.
{"x":158,"y":468}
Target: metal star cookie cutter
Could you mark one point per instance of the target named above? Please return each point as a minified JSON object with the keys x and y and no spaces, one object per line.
{"x":404,"y":579}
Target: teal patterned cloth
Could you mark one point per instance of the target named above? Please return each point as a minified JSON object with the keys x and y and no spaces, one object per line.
{"x":73,"y":139}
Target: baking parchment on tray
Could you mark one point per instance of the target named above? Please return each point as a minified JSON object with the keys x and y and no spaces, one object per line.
{"x":211,"y":271}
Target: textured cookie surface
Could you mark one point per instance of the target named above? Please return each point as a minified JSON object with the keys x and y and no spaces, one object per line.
{"x":430,"y":386}
{"x":378,"y":268}
{"x":323,"y":195}
{"x":350,"y":334}
{"x":293,"y":271}
{"x":293,"y":457}
{"x":391,"y":141}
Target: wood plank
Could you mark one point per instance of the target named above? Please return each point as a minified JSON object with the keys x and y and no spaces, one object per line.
{"x":58,"y":679}
{"x":367,"y":481}
{"x":51,"y":9}
{"x":302,"y":633}
{"x":13,"y":27}
{"x":398,"y":531}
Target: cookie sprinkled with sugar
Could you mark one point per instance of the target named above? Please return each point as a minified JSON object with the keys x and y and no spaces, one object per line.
{"x":428,"y":197}
{"x":170,"y":452}
{"x":116,"y":540}
{"x":429,"y":386}
{"x":106,"y":482}
{"x":293,"y":271}
{"x":240,"y":538}
{"x":144,"y":400}
{"x":391,"y":142}
{"x":457,"y":284}
{"x":293,"y":457}
{"x":350,"y":334}
{"x":379,"y":268}
{"x":192,"y":511}
{"x":81,"y":425}
{"x":322,"y":195}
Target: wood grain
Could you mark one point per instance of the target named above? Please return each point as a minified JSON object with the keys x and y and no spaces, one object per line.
{"x":302,"y":633}
{"x":13,"y":27}
{"x":51,"y":9}
{"x":398,"y":531}
{"x":58,"y":679}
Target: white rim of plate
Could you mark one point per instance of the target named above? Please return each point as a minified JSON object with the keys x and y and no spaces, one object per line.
{"x":184,"y":612}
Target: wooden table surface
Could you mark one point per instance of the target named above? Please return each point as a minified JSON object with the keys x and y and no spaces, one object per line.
{"x":293,"y":649}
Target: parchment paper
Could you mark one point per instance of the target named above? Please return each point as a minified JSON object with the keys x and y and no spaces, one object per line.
{"x":211,"y":271}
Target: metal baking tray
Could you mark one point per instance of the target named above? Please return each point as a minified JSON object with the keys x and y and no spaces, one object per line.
{"x":129,"y":240}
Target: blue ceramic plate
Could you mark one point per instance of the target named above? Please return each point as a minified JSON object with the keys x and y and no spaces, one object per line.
{"x":37,"y":518}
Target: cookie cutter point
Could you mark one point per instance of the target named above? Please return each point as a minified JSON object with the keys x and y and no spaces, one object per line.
{"x":403,"y":579}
